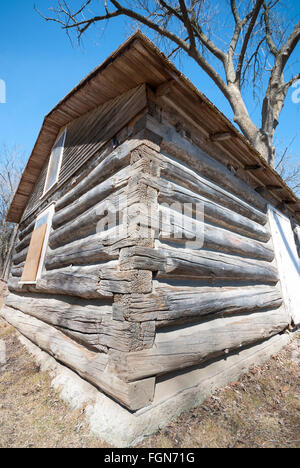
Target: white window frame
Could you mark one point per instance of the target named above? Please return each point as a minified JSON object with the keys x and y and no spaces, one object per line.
{"x":51,"y":210}
{"x":46,"y":190}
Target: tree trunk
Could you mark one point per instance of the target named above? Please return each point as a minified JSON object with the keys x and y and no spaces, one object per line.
{"x":261,"y":140}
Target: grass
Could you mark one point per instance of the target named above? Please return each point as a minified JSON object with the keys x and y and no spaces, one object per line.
{"x":31,"y":412}
{"x":262,"y":409}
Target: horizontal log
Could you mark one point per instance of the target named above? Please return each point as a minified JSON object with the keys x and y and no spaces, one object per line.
{"x":89,"y":282}
{"x":20,"y":257}
{"x":89,"y":340}
{"x":115,"y":161}
{"x":23,"y":243}
{"x":81,"y":281}
{"x":89,"y":365}
{"x":25,"y":231}
{"x":183,"y":229}
{"x":201,"y":381}
{"x":192,"y":345}
{"x":83,"y":251}
{"x":14,"y":285}
{"x":187,"y":178}
{"x":91,"y":197}
{"x":174,"y":304}
{"x":88,"y":222}
{"x":17,"y":270}
{"x":170,"y":193}
{"x":221,"y":136}
{"x":124,"y":282}
{"x":90,"y":322}
{"x":182,"y":263}
{"x":74,"y":313}
{"x":179,"y":147}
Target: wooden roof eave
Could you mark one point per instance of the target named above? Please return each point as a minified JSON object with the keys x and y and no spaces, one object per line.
{"x":84,"y":97}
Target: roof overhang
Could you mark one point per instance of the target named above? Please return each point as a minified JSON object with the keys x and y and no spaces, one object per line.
{"x":135,"y":62}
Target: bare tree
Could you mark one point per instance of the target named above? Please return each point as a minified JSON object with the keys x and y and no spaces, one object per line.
{"x":231,"y":41}
{"x":10,"y":172}
{"x":288,"y":166}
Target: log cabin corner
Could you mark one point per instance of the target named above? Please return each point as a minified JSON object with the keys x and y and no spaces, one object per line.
{"x":109,"y":275}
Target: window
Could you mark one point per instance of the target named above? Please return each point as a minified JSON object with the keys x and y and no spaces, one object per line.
{"x":37,"y":247}
{"x":55,"y":162}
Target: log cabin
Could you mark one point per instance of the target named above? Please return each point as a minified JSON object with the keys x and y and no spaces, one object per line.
{"x":152,"y":238}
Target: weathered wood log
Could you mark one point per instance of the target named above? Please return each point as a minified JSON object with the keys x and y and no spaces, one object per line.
{"x":113,"y":162}
{"x":181,"y":348}
{"x":177,"y":227}
{"x":25,"y":231}
{"x":89,"y":282}
{"x":65,"y":311}
{"x":215,"y":213}
{"x":14,"y":285}
{"x":171,"y":192}
{"x":174,"y":144}
{"x":170,"y":304}
{"x":91,"y":197}
{"x":89,"y":322}
{"x":109,"y":210}
{"x":218,"y":373}
{"x":189,"y":181}
{"x":183,"y":263}
{"x":89,"y":365}
{"x":89,"y":340}
{"x":20,"y":245}
{"x":82,"y":281}
{"x":20,"y":256}
{"x":124,"y":282}
{"x":17,"y":270}
{"x":83,"y":251}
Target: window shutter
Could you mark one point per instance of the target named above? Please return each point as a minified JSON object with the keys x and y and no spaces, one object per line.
{"x":34,"y":254}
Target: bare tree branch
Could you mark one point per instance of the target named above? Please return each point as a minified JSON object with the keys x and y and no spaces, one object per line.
{"x":252,"y":23}
{"x":10,"y":172}
{"x":188,"y":25}
{"x":269,"y":38}
{"x":254,"y":48}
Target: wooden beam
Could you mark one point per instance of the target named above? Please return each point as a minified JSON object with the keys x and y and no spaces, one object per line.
{"x":169,"y":305}
{"x":274,"y":187}
{"x":88,"y":364}
{"x":253,"y":167}
{"x":290,"y":202}
{"x":261,"y":189}
{"x":184,"y":347}
{"x":179,"y":263}
{"x":164,"y":88}
{"x":221,"y":136}
{"x":197,"y":160}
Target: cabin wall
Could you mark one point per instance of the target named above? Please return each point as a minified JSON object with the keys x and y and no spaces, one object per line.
{"x":124,"y":299}
{"x":207,"y":300}
{"x":71,"y":305}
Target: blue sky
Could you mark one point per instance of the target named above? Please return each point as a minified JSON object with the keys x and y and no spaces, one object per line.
{"x":40,"y":66}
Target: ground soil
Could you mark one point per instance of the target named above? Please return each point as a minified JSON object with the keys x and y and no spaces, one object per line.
{"x":262,"y":409}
